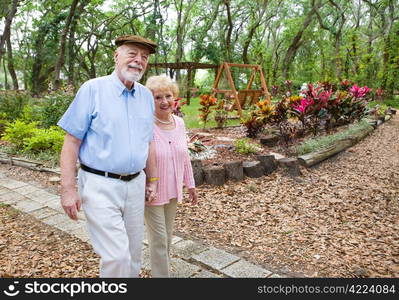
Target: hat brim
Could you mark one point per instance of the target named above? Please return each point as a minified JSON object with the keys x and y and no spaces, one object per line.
{"x":150,"y":47}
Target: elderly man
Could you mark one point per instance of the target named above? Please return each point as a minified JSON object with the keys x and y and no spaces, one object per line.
{"x":109,"y":128}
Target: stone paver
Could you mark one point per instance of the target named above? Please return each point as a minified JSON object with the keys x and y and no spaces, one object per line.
{"x":215,"y":258}
{"x":69,"y":225}
{"x":41,"y":196}
{"x":187,"y":248}
{"x":4,"y":190}
{"x":244,"y":269}
{"x":176,"y":239}
{"x":55,"y":203}
{"x":11,"y":183}
{"x":182,"y":269}
{"x":81,"y":233}
{"x":11,"y":198}
{"x":28,"y":205}
{"x":27,"y":189}
{"x":44,"y":212}
{"x":55,"y":219}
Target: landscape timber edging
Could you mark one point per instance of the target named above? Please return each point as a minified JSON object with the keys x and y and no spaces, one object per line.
{"x":33,"y":165}
{"x":313,"y":158}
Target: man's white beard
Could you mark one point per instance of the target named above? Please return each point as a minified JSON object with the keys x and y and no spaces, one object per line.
{"x":130,"y":76}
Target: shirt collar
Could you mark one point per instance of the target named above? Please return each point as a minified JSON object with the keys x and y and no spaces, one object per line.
{"x":121,"y":88}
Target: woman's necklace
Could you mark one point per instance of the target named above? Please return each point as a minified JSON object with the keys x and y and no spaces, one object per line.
{"x":163,"y":122}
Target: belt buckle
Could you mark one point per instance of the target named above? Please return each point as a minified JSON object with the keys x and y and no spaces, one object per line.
{"x":122,"y":175}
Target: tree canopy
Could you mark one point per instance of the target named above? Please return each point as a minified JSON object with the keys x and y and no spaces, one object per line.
{"x":47,"y":44}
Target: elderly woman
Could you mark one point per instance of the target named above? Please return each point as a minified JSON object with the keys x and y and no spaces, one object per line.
{"x":174,"y":169}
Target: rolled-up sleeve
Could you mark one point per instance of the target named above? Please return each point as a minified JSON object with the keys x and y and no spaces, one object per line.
{"x":76,"y":120}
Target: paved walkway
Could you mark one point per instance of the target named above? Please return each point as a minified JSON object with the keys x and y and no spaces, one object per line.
{"x":189,"y":259}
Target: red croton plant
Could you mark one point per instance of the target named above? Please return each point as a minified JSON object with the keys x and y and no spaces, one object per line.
{"x":319,"y":105}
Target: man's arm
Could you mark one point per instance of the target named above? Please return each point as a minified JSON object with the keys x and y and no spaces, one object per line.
{"x":70,"y":199}
{"x":151,"y":173}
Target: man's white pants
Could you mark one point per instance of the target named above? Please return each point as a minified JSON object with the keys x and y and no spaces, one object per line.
{"x":114,"y":211}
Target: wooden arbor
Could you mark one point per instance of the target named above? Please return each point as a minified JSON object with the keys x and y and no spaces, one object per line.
{"x":241,"y":97}
{"x":189,"y":66}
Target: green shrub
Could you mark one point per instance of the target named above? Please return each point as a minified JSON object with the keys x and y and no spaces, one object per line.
{"x":12,"y":103}
{"x":394,"y":102}
{"x":44,"y":139}
{"x":244,"y":146}
{"x":3,"y":123}
{"x":17,"y":131}
{"x":30,"y":113}
{"x":53,"y":107}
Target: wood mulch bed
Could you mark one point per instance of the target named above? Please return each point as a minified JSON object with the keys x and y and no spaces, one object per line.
{"x":340,"y":219}
{"x":224,"y":140}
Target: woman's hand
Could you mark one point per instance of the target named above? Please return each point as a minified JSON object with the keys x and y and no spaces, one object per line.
{"x":193,"y":196}
{"x":151,"y":191}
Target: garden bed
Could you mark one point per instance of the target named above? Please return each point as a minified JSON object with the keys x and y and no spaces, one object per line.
{"x":223,"y":151}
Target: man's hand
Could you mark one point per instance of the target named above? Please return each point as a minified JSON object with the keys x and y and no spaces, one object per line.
{"x":71,"y":203}
{"x":70,"y":199}
{"x":151,"y":191}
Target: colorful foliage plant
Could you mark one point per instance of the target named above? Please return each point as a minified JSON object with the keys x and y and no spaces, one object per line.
{"x":177,"y":104}
{"x":221,"y":113}
{"x":319,"y":105}
{"x":258,"y":117}
{"x":206,"y":102}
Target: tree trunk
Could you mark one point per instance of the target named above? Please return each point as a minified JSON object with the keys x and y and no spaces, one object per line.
{"x":6,"y":87}
{"x":252,"y":31}
{"x":370,"y":70}
{"x":393,"y":83}
{"x":229,"y":30}
{"x":61,"y":55}
{"x":182,"y":18}
{"x":40,"y":74}
{"x":248,"y":42}
{"x":297,"y":41}
{"x":10,"y":64}
{"x":71,"y":42}
{"x":7,"y":26}
{"x":355,"y":55}
{"x":338,"y":58}
{"x":386,"y":54}
{"x":179,"y":39}
{"x":71,"y":54}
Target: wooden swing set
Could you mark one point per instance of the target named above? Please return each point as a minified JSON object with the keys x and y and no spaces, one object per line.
{"x":248,"y":95}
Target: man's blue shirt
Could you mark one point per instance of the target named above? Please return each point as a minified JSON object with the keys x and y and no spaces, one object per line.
{"x":114,"y":124}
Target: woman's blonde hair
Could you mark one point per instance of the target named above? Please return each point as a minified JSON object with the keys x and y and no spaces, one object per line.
{"x":162,"y":82}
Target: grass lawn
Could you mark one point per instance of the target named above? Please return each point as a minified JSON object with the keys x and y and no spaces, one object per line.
{"x":394,"y":102}
{"x":191,"y":116}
